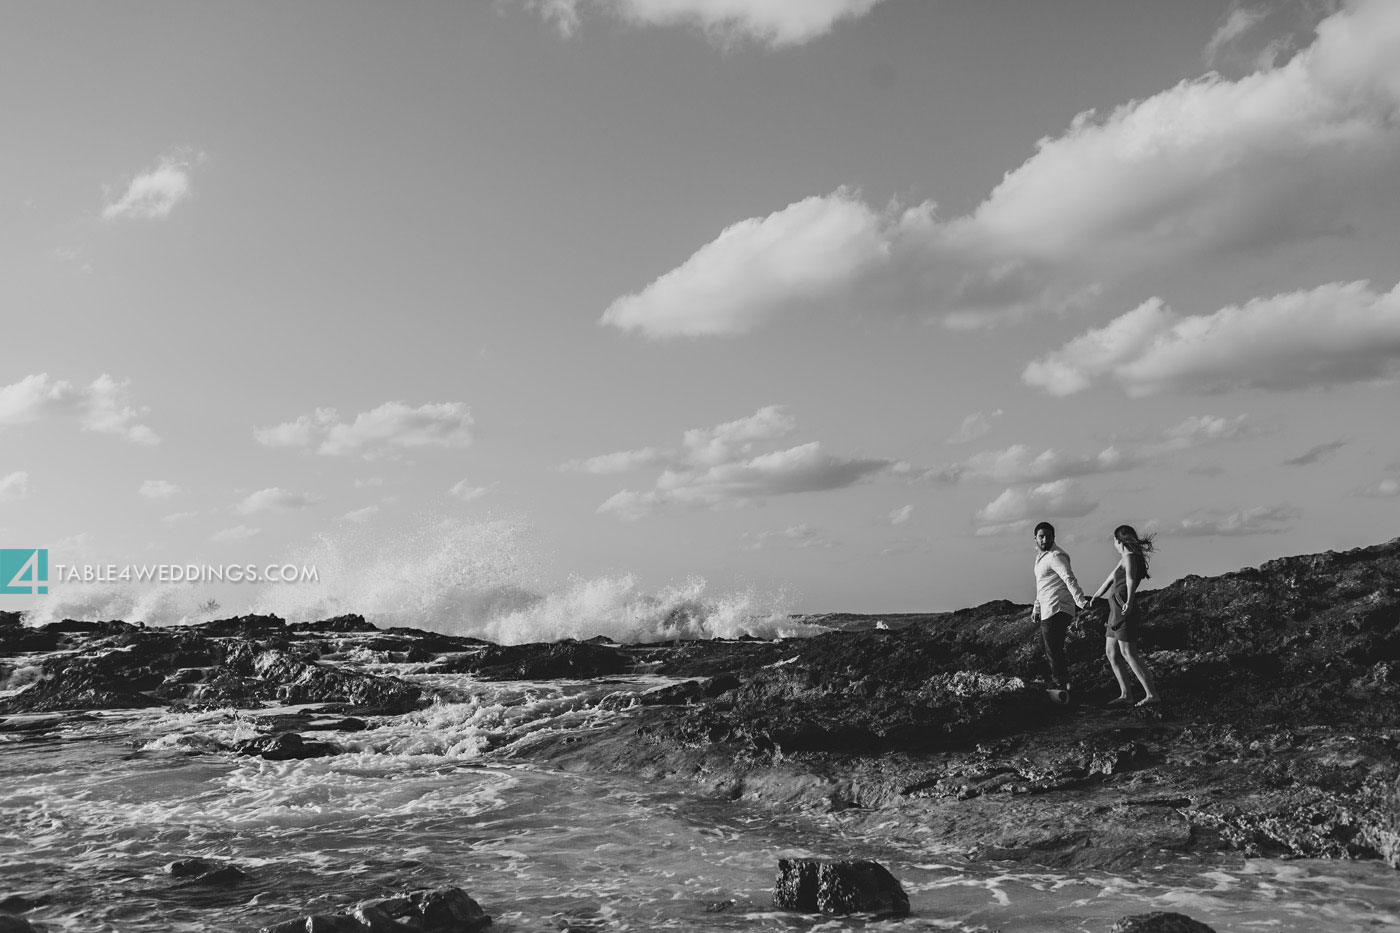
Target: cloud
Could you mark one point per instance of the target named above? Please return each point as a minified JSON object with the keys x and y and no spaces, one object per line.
{"x":1387,"y":488}
{"x":178,"y":516}
{"x":973,"y":426}
{"x":1314,"y":454}
{"x":14,"y":486}
{"x":274,"y":499}
{"x":360,"y":515}
{"x":1238,"y":21}
{"x":1208,"y":167}
{"x":1342,"y":332}
{"x":1262,"y":520}
{"x":1015,"y":509}
{"x":390,"y":428}
{"x":623,"y":461}
{"x":796,"y":538}
{"x":236,"y":533}
{"x":465,"y":491}
{"x":758,"y":268}
{"x":153,"y":194}
{"x":721,"y":466}
{"x":159,"y":489}
{"x":1201,"y":430}
{"x":1020,"y":463}
{"x":102,"y":406}
{"x":901,"y":515}
{"x":774,"y":23}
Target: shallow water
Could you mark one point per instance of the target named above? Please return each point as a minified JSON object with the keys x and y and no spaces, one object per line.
{"x":90,"y":814}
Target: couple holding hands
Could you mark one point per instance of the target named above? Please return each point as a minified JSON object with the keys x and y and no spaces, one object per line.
{"x":1058,"y":596}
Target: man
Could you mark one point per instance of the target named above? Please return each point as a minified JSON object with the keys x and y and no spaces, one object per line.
{"x":1057,"y":597}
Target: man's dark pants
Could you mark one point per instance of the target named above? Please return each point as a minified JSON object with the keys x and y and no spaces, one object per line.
{"x":1052,"y":634}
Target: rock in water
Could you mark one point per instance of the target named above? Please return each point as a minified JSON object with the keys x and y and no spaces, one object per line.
{"x":9,"y":923}
{"x":442,"y":910}
{"x":832,"y":886}
{"x":1160,"y":921}
{"x":286,"y":746}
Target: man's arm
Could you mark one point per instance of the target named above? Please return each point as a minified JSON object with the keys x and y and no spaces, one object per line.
{"x":1062,"y":567}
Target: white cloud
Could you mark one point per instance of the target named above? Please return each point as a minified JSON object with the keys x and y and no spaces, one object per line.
{"x":1341,"y":332}
{"x":1204,"y":168}
{"x":14,"y":486}
{"x":623,"y":461}
{"x":758,"y":268}
{"x":1019,"y":464}
{"x":361,"y":515}
{"x":465,"y":491}
{"x":390,"y":428}
{"x":236,"y":533}
{"x":1261,"y":520}
{"x":102,"y":406}
{"x":974,"y":426}
{"x":1201,"y":430}
{"x":724,"y":442}
{"x":153,"y":194}
{"x":371,"y":483}
{"x":159,"y":489}
{"x":274,"y":499}
{"x":775,"y":23}
{"x":174,"y":517}
{"x":901,"y":515}
{"x":1015,"y":509}
{"x":721,"y":466}
{"x":1237,"y":22}
{"x":796,"y":537}
{"x":1387,"y":488}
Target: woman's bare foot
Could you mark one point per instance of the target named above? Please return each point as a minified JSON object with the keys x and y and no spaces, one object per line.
{"x":1121,"y":701}
{"x":1149,"y":700}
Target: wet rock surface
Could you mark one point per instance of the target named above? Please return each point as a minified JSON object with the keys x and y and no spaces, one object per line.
{"x":1160,"y":922}
{"x":442,"y":910}
{"x":1279,"y":734}
{"x":831,"y":886}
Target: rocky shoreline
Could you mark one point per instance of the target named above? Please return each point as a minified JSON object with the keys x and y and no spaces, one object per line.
{"x":1280,"y":734}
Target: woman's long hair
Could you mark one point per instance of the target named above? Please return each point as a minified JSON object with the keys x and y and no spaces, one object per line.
{"x":1138,"y":547}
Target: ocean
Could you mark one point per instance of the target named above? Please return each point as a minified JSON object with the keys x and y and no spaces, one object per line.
{"x":90,"y":813}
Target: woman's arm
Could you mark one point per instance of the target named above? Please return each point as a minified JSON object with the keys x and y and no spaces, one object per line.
{"x":1106,"y":586}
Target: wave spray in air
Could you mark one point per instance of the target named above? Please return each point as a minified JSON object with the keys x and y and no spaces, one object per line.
{"x":457,"y":577}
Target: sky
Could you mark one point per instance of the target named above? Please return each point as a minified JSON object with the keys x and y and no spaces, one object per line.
{"x":826,"y":300}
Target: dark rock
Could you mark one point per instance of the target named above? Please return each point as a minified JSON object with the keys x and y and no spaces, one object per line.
{"x":543,"y":661}
{"x":287,"y":746}
{"x":9,"y":923}
{"x":251,"y":674}
{"x":245,"y":626}
{"x":343,"y":624}
{"x":1160,"y":922}
{"x":225,"y":877}
{"x":838,"y":887}
{"x":190,"y":867}
{"x":19,"y":903}
{"x":442,"y":910}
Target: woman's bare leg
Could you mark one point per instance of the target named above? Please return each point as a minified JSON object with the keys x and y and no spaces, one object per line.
{"x":1140,"y":670}
{"x":1110,"y":647}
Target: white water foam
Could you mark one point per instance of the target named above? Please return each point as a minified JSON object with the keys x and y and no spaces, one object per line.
{"x":457,"y":577}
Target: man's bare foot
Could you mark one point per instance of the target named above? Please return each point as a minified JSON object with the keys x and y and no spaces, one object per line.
{"x":1121,"y":701}
{"x":1149,"y":700}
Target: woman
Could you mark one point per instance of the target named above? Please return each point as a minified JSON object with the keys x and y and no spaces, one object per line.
{"x":1125,"y":616}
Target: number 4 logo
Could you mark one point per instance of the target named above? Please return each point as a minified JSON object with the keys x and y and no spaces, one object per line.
{"x":24,"y":571}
